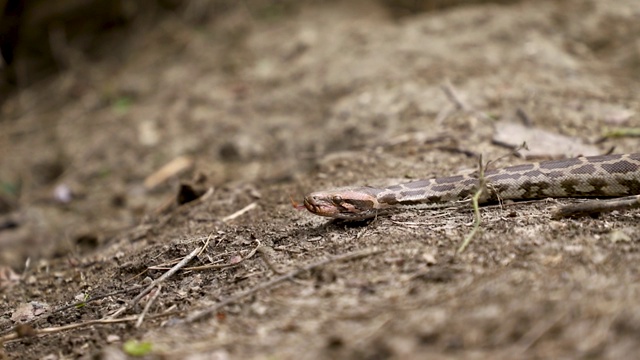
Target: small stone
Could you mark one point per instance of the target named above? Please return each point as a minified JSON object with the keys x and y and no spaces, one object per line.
{"x":259,"y":309}
{"x":112,"y":338}
{"x":574,"y":249}
{"x":429,"y":258}
{"x":616,"y":236}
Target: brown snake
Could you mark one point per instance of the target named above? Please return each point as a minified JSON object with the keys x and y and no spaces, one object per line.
{"x":603,"y":176}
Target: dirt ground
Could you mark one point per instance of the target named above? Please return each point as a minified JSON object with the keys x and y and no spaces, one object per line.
{"x":259,"y":106}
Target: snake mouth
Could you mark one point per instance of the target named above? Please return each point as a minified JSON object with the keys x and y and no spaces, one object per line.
{"x":336,"y":207}
{"x":318,"y":207}
{"x":310,"y":206}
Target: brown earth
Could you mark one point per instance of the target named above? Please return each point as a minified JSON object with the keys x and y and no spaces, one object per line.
{"x":322,"y":95}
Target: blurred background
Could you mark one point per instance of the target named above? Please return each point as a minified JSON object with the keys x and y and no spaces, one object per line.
{"x":115,"y":114}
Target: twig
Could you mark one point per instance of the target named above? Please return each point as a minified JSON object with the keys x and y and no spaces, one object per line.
{"x":94,"y":298}
{"x":206,"y":244}
{"x":51,"y":330}
{"x":453,"y":96}
{"x":597,"y":206}
{"x":148,"y":306}
{"x":76,"y":304}
{"x":156,"y":282}
{"x":198,"y":315}
{"x":224,"y":266}
{"x":211,"y":266}
{"x":538,"y":331}
{"x":526,"y":120}
{"x":239,"y":212}
{"x":166,"y":275}
{"x":482,"y":187}
{"x":172,"y":168}
{"x":515,"y":151}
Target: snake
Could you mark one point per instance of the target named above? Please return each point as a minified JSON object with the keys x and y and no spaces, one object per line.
{"x":613,"y":175}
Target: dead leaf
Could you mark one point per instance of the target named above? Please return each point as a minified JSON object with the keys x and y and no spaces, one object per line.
{"x":27,"y":311}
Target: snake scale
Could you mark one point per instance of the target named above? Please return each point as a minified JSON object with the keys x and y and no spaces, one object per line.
{"x":593,"y":176}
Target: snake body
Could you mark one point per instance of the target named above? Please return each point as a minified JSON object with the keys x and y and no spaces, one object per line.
{"x":593,"y":176}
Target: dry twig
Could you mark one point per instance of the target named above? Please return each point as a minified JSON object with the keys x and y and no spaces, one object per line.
{"x":74,"y":305}
{"x":148,"y":306}
{"x":239,"y":212}
{"x":159,"y":280}
{"x":452,"y":95}
{"x":166,"y":275}
{"x":201,"y":314}
{"x":224,"y":266}
{"x":55,"y":329}
{"x":597,"y":206}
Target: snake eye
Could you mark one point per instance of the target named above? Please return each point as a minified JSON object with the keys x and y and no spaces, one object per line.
{"x":337,"y":199}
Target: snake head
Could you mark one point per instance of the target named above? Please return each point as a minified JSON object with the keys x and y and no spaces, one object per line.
{"x":348,"y":203}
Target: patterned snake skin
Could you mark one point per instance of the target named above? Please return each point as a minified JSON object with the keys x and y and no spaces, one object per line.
{"x":603,"y":176}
